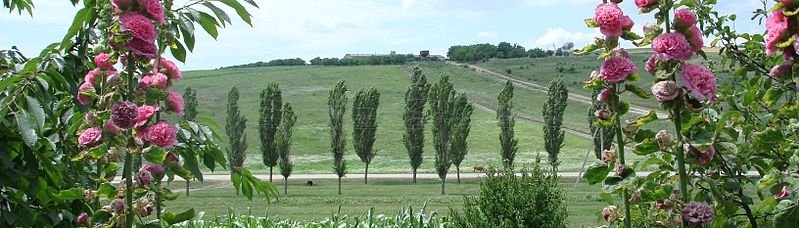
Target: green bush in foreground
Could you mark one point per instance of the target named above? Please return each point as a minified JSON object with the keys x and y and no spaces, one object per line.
{"x":533,"y":199}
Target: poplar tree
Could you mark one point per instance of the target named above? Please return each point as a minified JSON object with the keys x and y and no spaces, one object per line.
{"x":441,"y":98}
{"x":460,"y":131}
{"x":189,"y":114}
{"x":271,"y":102}
{"x":337,"y":106}
{"x":283,"y":143}
{"x":364,"y":126}
{"x":234,"y":127}
{"x":415,"y":119}
{"x":507,"y":141}
{"x":553,"y":119}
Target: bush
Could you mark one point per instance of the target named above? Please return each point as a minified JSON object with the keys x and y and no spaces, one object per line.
{"x":509,"y":71}
{"x":506,"y":200}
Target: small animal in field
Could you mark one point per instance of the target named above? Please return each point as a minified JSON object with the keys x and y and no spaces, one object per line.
{"x":478,"y":168}
{"x":309,"y":183}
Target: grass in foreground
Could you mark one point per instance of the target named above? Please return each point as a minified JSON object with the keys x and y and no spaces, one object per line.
{"x":387,"y":196}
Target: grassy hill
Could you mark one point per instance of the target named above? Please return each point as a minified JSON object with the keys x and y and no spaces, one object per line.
{"x":306,"y":88}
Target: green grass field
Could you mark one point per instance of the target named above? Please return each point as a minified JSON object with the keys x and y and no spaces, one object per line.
{"x":387,"y":196}
{"x":306,"y":88}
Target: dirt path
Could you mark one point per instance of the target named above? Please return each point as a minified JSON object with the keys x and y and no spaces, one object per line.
{"x":543,"y":89}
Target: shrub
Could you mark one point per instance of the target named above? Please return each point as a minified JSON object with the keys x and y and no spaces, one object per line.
{"x":509,"y":71}
{"x":506,"y":200}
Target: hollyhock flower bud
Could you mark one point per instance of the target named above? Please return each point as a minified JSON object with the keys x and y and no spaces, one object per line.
{"x":174,"y":103}
{"x":154,"y":10}
{"x":143,"y":208}
{"x":696,"y":213}
{"x":113,"y":79}
{"x":138,"y":25}
{"x":630,"y":129}
{"x":652,"y":29}
{"x":699,"y":81}
{"x":103,"y":62}
{"x":145,"y":113}
{"x":662,"y":204}
{"x":89,"y":195}
{"x":707,"y":156}
{"x":609,"y":155}
{"x":117,"y":206}
{"x":672,"y":46}
{"x":651,"y":64}
{"x":84,"y":92}
{"x":665,"y":91}
{"x":619,"y":52}
{"x":781,"y":70}
{"x":664,"y":139}
{"x":619,"y":170}
{"x":92,"y":75}
{"x":83,"y":219}
{"x":616,"y":69}
{"x":610,"y":19}
{"x":684,"y":18}
{"x":172,"y":159}
{"x":602,"y":114}
{"x":90,"y":137}
{"x":645,"y":3}
{"x":144,"y":177}
{"x":604,"y":95}
{"x":610,"y":213}
{"x":161,"y":134}
{"x":124,"y":114}
{"x":170,"y":69}
{"x":695,"y":38}
{"x":784,"y":193}
{"x":156,"y":171}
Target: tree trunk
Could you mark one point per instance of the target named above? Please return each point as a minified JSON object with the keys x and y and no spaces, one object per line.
{"x":458,"y":171}
{"x":285,"y":185}
{"x":414,"y":176}
{"x":443,"y":182}
{"x":187,"y":187}
{"x":339,"y":185}
{"x":366,"y":174}
{"x":270,"y":173}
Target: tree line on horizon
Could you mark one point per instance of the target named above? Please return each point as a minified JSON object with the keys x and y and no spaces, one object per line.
{"x":503,"y":50}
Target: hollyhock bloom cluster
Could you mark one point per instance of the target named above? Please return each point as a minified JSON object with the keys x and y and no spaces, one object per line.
{"x":161,"y":134}
{"x":145,"y":113}
{"x":125,"y":114}
{"x":611,"y":20}
{"x":616,"y":69}
{"x":174,"y":103}
{"x":672,"y":46}
{"x":90,"y":137}
{"x":665,"y":91}
{"x":699,"y":81}
{"x":777,"y":27}
{"x":784,"y":193}
{"x":139,"y":26}
{"x":696,"y":213}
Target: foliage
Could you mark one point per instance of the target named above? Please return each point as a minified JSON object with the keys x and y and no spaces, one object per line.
{"x":442,"y":109}
{"x":415,"y":119}
{"x":392,"y":59}
{"x":190,"y":101}
{"x":553,"y":119}
{"x":274,"y":62}
{"x":478,"y":52}
{"x":460,"y":131}
{"x":364,"y":125}
{"x":284,"y":141}
{"x":270,"y":109}
{"x":506,"y":121}
{"x":234,"y":127}
{"x":533,"y":199}
{"x":337,"y":106}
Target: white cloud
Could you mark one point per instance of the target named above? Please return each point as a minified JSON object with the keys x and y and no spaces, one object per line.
{"x":551,"y":2}
{"x":560,"y":36}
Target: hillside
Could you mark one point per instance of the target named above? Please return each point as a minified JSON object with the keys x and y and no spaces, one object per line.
{"x":307,"y":87}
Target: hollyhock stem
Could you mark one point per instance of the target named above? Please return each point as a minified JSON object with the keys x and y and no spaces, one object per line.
{"x":127,"y":173}
{"x":681,"y":155}
{"x":620,"y":157}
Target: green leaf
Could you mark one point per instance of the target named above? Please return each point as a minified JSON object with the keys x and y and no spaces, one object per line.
{"x":611,"y":183}
{"x":80,"y":17}
{"x":772,"y":96}
{"x":768,"y":180}
{"x":591,"y":23}
{"x":107,"y":190}
{"x":587,"y":49}
{"x":645,"y":119}
{"x":235,"y":179}
{"x":26,"y":129}
{"x":623,"y":108}
{"x":209,"y":24}
{"x":36,"y":109}
{"x":172,"y":218}
{"x":101,"y":216}
{"x":788,"y":217}
{"x":97,"y":152}
{"x":631,"y":36}
{"x":246,"y":188}
{"x":240,"y":10}
{"x":766,"y":205}
{"x":178,"y":51}
{"x":154,"y":154}
{"x":70,"y":194}
{"x":638,"y":91}
{"x":648,"y":146}
{"x":223,"y":17}
{"x":729,"y":115}
{"x":596,"y":173}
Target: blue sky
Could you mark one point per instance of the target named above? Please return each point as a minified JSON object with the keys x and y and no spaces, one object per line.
{"x":332,"y":28}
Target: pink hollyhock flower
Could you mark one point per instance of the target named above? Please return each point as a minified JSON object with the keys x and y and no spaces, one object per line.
{"x":92,"y":75}
{"x":124,"y":114}
{"x":695,"y":38}
{"x":155,"y":170}
{"x":651,"y":64}
{"x":610,"y":19}
{"x":170,"y":69}
{"x":707,"y":156}
{"x":159,"y":80}
{"x":696,"y":213}
{"x":174,"y":103}
{"x":144,"y":177}
{"x":144,"y":83}
{"x":777,"y":26}
{"x":604,"y":95}
{"x":138,"y":25}
{"x":665,"y":91}
{"x":154,"y":10}
{"x":113,"y":128}
{"x":142,"y":48}
{"x":672,"y":46}
{"x":781,"y":70}
{"x":113,"y":79}
{"x":645,"y":3}
{"x":700,"y":82}
{"x":784,"y":193}
{"x":83,"y":219}
{"x":145,"y":112}
{"x":102,"y":61}
{"x":90,"y":137}
{"x":602,"y":114}
{"x":684,"y":18}
{"x":161,"y":134}
{"x":82,"y":97}
{"x":616,"y":69}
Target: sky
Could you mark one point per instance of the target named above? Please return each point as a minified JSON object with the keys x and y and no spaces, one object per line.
{"x":333,"y":28}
